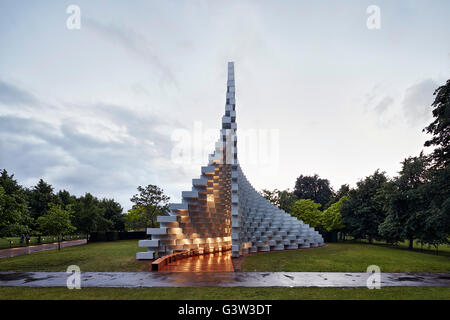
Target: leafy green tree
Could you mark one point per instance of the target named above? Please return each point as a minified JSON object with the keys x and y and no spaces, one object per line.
{"x":365,"y":211}
{"x":113,"y":213}
{"x":14,"y":218}
{"x":314,"y":188}
{"x":65,"y":199}
{"x":283,"y":199}
{"x":2,"y":199}
{"x":136,"y":218}
{"x":331,"y":218}
{"x":89,"y":215}
{"x":56,"y":222}
{"x":272,"y":196}
{"x":406,"y":204}
{"x":436,"y":219}
{"x":440,"y":127}
{"x":153,"y":200}
{"x":307,"y":211}
{"x":39,"y":199}
{"x":343,"y":191}
{"x":286,"y":200}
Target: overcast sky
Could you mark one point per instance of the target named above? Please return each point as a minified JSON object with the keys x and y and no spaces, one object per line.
{"x":102,"y":109}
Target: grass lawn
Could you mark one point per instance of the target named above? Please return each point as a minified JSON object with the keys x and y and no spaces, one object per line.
{"x":335,"y":257}
{"x":348,"y":257}
{"x":344,"y":257}
{"x":389,"y":293}
{"x":101,"y":256}
{"x":442,"y":249}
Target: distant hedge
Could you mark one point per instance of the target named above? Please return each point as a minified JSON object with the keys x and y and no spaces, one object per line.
{"x":114,"y":236}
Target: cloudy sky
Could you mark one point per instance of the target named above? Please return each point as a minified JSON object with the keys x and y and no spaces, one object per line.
{"x":108,"y":107}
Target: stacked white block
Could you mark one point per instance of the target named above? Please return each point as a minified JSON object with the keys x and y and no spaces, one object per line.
{"x":265,"y":227}
{"x":223,"y":210}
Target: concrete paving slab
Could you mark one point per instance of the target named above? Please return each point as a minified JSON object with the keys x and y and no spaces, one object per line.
{"x":12,"y":252}
{"x":221,"y":279}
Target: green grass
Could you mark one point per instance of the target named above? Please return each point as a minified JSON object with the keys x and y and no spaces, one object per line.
{"x":443,"y":249}
{"x":101,"y":256}
{"x":348,"y":257}
{"x":335,"y":257}
{"x":389,"y":293}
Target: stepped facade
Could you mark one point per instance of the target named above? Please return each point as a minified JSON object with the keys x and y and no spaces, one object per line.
{"x":223,"y":211}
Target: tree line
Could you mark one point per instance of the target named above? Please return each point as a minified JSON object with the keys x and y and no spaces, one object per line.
{"x":412,"y":206}
{"x":40,"y":211}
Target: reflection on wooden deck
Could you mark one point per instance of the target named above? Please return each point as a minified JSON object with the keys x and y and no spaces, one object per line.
{"x":211,"y":262}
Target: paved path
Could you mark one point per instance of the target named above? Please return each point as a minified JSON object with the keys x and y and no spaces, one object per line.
{"x":221,"y":279}
{"x":7,"y":253}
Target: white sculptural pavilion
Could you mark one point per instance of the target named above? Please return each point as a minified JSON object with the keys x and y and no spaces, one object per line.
{"x":223,"y":211}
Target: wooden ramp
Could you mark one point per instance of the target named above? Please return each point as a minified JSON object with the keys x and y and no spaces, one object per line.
{"x":211,"y":262}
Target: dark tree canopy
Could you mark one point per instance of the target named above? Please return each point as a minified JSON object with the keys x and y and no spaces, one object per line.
{"x":440,"y":127}
{"x":364,"y":211}
{"x":113,"y":212}
{"x":153,"y":200}
{"x":21,"y":208}
{"x":314,"y":188}
{"x":65,"y":199}
{"x":406,"y":203}
{"x":14,"y":216}
{"x":40,"y":196}
{"x":286,"y":200}
{"x":342,"y":192}
{"x":88,"y":215}
{"x":436,"y":221}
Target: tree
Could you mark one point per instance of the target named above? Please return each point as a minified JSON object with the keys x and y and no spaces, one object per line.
{"x":136,"y":218}
{"x":314,"y":188}
{"x":440,"y":127}
{"x":14,"y":218}
{"x":89,"y":215}
{"x":332,"y":218}
{"x":286,"y":200}
{"x":307,"y":211}
{"x":271,"y":196}
{"x":436,"y":221}
{"x":282,"y":199}
{"x":153,"y":200}
{"x":56,"y":222}
{"x":2,"y":199}
{"x":406,"y":203}
{"x":343,"y":191}
{"x":39,"y":199}
{"x":65,"y":199}
{"x":113,"y":212}
{"x":364,"y":211}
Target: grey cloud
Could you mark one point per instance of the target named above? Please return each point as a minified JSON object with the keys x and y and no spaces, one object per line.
{"x":142,"y":125}
{"x":383,"y":105}
{"x":76,"y":161}
{"x":15,"y":96}
{"x":417,"y":101}
{"x":81,"y":162}
{"x":135,"y":43}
